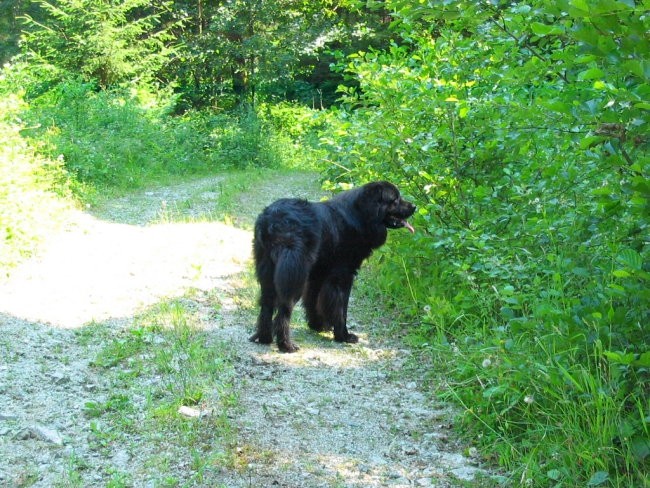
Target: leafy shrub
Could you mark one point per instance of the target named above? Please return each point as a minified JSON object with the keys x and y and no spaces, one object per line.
{"x":124,"y":138}
{"x":109,"y":138}
{"x":294,"y":133}
{"x":34,"y":191}
{"x":244,"y":140}
{"x":522,"y":135}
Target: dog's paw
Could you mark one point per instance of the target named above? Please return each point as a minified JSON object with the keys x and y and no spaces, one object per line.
{"x":349,"y":338}
{"x":352,"y":339}
{"x":287,"y":347}
{"x":260,"y":339}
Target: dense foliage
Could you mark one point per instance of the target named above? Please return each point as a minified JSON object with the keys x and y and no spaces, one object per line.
{"x":520,"y":129}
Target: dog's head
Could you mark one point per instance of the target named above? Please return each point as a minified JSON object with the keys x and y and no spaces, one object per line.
{"x":387,"y":205}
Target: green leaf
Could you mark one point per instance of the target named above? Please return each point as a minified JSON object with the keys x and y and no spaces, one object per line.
{"x":598,"y":478}
{"x":630,"y":258}
{"x":494,"y":391}
{"x":635,"y":67}
{"x":643,"y":361}
{"x":587,"y":58}
{"x":541,"y":30}
{"x":640,"y":448}
{"x":621,"y":273}
{"x":558,"y":106}
{"x":603,"y":191}
{"x":554,"y":474}
{"x":591,"y":74}
{"x":580,"y":4}
{"x":619,"y":357}
{"x":607,"y":45}
{"x":591,"y":141}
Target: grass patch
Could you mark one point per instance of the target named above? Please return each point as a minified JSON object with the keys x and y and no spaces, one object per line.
{"x":121,"y":140}
{"x":236,"y":197}
{"x":549,"y":413}
{"x":162,"y":364}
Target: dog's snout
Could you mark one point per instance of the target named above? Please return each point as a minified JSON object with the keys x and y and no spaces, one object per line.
{"x":410,"y":208}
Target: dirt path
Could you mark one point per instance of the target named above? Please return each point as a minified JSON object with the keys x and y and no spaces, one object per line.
{"x":327,"y":416}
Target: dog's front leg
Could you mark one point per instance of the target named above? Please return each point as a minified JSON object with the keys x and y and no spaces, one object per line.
{"x":333,"y":305}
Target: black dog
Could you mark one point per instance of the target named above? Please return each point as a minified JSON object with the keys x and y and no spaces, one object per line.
{"x":314,"y":250}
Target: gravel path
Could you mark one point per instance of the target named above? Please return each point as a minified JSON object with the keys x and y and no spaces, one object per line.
{"x":330,"y":415}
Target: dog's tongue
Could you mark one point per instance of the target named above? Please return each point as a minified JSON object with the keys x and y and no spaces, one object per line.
{"x":409,"y":227}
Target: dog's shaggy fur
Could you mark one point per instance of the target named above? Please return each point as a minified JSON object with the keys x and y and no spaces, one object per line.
{"x":313,"y":251}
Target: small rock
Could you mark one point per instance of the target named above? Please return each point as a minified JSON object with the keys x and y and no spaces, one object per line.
{"x":189,"y":411}
{"x":47,"y":435}
{"x":59,"y":378}
{"x":121,"y":458}
{"x":465,"y":474}
{"x":8,"y":416}
{"x":23,"y":435}
{"x":424,"y":482}
{"x":193,"y":412}
{"x":420,"y":412}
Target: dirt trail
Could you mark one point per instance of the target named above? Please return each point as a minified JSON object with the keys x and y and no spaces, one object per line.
{"x":330,"y":415}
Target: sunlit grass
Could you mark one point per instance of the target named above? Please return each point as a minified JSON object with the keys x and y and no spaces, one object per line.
{"x":158,"y":365}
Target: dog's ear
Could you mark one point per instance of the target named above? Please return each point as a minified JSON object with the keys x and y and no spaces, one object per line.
{"x":376,"y":197}
{"x":382,"y":189}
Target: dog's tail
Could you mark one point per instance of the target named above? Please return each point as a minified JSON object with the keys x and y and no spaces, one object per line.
{"x":291,"y":271}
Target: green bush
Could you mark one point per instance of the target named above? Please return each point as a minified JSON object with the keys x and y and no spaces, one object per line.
{"x":529,"y":276}
{"x":124,"y":138}
{"x":111,"y":137}
{"x":294,"y":133}
{"x":34,"y":191}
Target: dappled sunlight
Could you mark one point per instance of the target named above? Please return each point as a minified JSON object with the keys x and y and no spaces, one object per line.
{"x":97,"y":270}
{"x":347,"y":419}
{"x":326,"y":353}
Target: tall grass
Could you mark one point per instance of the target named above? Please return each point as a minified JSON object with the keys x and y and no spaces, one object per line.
{"x":555,"y":402}
{"x":126,"y":139}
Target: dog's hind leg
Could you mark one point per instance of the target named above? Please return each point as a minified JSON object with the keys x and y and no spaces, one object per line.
{"x":265,"y":270}
{"x":264,"y":332}
{"x":290,"y":276}
{"x":281,"y":327}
